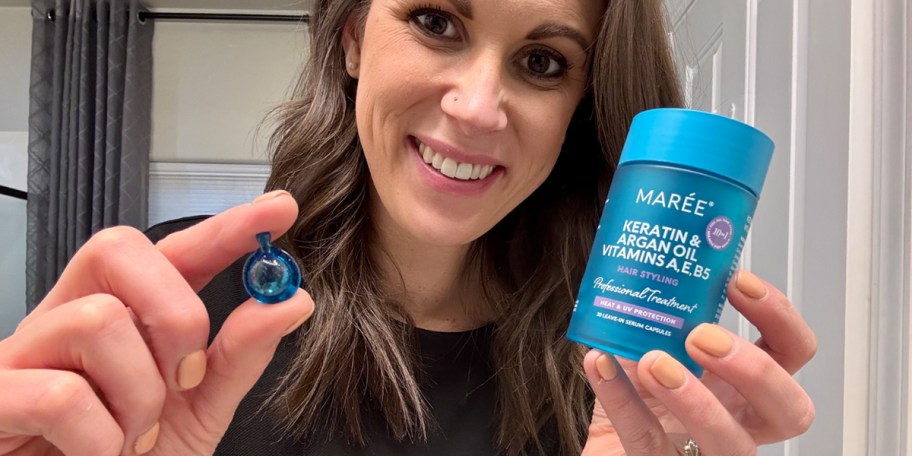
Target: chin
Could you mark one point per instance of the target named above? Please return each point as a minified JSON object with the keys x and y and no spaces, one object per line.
{"x":445,"y":231}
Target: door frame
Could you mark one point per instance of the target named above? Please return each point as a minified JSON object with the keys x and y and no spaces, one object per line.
{"x":890,"y":188}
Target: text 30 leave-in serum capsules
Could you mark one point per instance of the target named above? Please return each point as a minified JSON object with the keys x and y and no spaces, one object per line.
{"x":671,"y":232}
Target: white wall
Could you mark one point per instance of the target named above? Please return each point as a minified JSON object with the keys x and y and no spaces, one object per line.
{"x":880,"y":189}
{"x":13,"y":171}
{"x":214,"y":82}
{"x":15,"y":58}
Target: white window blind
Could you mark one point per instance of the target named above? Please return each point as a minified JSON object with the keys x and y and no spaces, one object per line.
{"x":184,"y":189}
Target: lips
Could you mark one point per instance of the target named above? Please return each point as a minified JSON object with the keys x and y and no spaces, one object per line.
{"x":452,"y":168}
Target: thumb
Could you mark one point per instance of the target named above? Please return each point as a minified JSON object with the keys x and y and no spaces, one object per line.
{"x":242,"y":349}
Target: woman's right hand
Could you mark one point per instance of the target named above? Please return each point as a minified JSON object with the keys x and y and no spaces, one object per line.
{"x":115,"y":359}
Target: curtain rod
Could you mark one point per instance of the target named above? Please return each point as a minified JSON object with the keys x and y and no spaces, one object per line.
{"x":8,"y":191}
{"x":144,"y":15}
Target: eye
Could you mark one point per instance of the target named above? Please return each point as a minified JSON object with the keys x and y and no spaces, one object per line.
{"x":435,"y":23}
{"x":543,"y":64}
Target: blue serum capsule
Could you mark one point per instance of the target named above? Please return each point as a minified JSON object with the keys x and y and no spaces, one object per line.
{"x":671,"y":233}
{"x":271,"y":275}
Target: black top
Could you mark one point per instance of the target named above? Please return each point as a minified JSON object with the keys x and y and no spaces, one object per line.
{"x":459,"y":386}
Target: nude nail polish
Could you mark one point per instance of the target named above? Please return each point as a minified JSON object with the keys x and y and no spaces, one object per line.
{"x":668,"y":372}
{"x":606,"y":368}
{"x":712,"y":339}
{"x":191,"y":370}
{"x":297,"y":324}
{"x":145,"y":442}
{"x":269,"y":196}
{"x":750,"y":285}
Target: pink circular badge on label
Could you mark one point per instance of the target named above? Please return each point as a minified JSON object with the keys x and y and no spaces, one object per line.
{"x":719,"y":232}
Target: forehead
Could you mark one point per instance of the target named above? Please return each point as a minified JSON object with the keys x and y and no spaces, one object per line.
{"x":587,"y":13}
{"x":583,"y":11}
{"x":577,"y":9}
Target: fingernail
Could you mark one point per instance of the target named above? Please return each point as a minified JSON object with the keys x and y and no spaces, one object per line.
{"x":668,"y":372}
{"x":269,"y":196}
{"x":712,"y":339}
{"x":750,"y":285}
{"x":298,"y":323}
{"x":605,"y":367}
{"x":146,"y":441}
{"x":191,"y":370}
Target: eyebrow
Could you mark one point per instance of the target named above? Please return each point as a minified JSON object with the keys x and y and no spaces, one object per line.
{"x":549,"y":30}
{"x":463,"y":7}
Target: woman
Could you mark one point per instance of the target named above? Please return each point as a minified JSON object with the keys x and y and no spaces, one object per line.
{"x":448,"y":161}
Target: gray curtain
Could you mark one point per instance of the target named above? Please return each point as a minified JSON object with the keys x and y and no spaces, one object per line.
{"x":89,"y":129}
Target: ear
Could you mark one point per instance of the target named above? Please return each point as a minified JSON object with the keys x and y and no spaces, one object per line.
{"x":351,"y":44}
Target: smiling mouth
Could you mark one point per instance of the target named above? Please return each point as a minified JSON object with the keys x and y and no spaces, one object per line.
{"x":452,"y":168}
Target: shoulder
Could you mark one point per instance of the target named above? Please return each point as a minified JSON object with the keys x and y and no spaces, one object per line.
{"x":159,"y":231}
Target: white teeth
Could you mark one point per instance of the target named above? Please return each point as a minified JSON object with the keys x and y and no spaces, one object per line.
{"x":452,"y":168}
{"x":464,"y":171}
{"x":448,"y":168}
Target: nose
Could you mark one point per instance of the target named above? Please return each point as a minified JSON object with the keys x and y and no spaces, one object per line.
{"x":475,"y":102}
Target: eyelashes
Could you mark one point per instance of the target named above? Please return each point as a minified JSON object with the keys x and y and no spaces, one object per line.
{"x":435,"y":22}
{"x":544,"y":63}
{"x":541,"y":63}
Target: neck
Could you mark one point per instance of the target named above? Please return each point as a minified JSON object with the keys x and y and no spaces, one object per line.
{"x":430,"y":283}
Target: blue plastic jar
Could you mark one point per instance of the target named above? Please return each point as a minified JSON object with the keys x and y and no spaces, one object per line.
{"x":671,"y":232}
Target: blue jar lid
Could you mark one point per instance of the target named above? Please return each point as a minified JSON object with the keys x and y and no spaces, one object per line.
{"x":700,"y":140}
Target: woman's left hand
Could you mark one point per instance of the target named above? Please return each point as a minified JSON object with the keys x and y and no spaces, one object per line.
{"x":746,"y":398}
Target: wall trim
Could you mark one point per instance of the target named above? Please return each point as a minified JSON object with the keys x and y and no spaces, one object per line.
{"x":795,"y":260}
{"x":890,"y":307}
{"x":858,"y":395}
{"x":905,"y":276}
{"x":820,"y":240}
{"x":798,"y":146}
{"x":745,"y":328}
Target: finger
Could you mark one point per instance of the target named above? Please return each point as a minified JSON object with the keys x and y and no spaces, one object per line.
{"x":780,"y":408}
{"x":122,"y":262}
{"x":102,"y":341}
{"x":708,"y":421}
{"x":241,"y":351}
{"x":638,"y":429}
{"x":198,"y":252}
{"x":784,"y":332}
{"x":205,"y":249}
{"x":61,"y":407}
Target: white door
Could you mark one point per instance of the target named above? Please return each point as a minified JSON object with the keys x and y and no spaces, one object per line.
{"x":708,"y":39}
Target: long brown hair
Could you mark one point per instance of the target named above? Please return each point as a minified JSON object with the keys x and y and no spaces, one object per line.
{"x":355,"y":348}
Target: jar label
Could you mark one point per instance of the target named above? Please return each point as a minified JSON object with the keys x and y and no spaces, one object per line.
{"x":667,"y":245}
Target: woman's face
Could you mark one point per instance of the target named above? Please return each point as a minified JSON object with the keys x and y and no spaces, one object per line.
{"x":462,"y":106}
